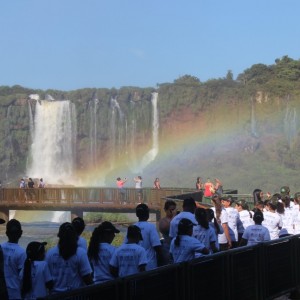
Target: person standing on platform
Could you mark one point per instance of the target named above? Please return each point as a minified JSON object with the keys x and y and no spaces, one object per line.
{"x":120,"y":185}
{"x":209,"y":189}
{"x":14,"y":258}
{"x":156,"y":184}
{"x":199,"y":184}
{"x":130,"y":258}
{"x":139,"y":185}
{"x":41,"y":183}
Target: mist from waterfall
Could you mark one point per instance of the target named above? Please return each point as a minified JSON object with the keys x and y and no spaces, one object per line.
{"x":253,"y":120}
{"x":31,"y":122}
{"x":152,"y":153}
{"x":52,"y":150}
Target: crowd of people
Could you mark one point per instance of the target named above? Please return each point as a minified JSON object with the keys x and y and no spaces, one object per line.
{"x":195,"y":231}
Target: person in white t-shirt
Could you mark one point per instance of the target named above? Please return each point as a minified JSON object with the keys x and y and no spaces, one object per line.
{"x":256,"y":233}
{"x":233,"y":219}
{"x":130,"y":258}
{"x":14,"y":257}
{"x":185,"y":247}
{"x":246,"y":216}
{"x":68,"y":263}
{"x":36,"y":278}
{"x":222,"y":218}
{"x":188,"y":212}
{"x":272,"y":220}
{"x":100,"y":251}
{"x":287,"y":213}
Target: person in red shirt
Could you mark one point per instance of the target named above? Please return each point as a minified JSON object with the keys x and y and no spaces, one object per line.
{"x":120,"y":185}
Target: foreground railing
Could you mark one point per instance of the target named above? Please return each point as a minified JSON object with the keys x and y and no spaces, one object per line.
{"x":261,"y":272}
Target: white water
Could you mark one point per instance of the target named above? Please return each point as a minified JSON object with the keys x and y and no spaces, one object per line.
{"x":52,"y":150}
{"x":93,"y":131}
{"x":31,"y":123}
{"x":152,"y":153}
{"x":290,"y":125}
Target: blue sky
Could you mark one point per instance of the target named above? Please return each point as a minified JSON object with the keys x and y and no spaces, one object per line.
{"x":72,"y":44}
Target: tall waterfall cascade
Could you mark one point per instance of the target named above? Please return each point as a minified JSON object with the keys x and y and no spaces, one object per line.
{"x":152,"y":153}
{"x":54,"y":139}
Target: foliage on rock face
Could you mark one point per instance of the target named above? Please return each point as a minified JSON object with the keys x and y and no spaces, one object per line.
{"x":277,"y":84}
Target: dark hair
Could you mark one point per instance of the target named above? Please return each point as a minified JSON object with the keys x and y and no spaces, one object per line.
{"x":211,"y":216}
{"x":184,"y":227}
{"x":67,"y":243}
{"x":101,"y":234}
{"x":169,"y":203}
{"x":258,"y":217}
{"x":78,"y":224}
{"x":256,"y":195}
{"x":286,"y":200}
{"x":142,"y":211}
{"x":218,"y":206}
{"x":201,"y":217}
{"x":34,"y":251}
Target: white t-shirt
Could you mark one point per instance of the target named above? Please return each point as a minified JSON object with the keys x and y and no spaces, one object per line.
{"x":127,"y":258}
{"x":177,"y":218}
{"x":224,"y":219}
{"x":40,"y":275}
{"x":14,"y":258}
{"x":212,"y":226}
{"x":272,"y":221}
{"x":205,"y":236}
{"x":67,"y":274}
{"x":187,"y":249}
{"x":297,"y":222}
{"x":288,"y":219}
{"x":233,"y":222}
{"x":101,"y":267}
{"x":245,"y":219}
{"x":256,"y":234}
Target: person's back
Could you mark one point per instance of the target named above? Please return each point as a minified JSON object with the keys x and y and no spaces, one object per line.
{"x":68,"y":263}
{"x":14,"y":257}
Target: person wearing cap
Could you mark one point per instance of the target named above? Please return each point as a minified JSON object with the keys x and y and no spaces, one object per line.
{"x":14,"y":258}
{"x":272,"y":220}
{"x":188,"y":212}
{"x":151,"y":241}
{"x":185,"y":247}
{"x":256,"y":233}
{"x":100,"y":251}
{"x":233,"y":219}
{"x":221,"y":216}
{"x":35,"y":275}
{"x":246,"y":216}
{"x":79,"y":225}
{"x":130,"y":258}
{"x":68,"y":263}
{"x":203,"y":232}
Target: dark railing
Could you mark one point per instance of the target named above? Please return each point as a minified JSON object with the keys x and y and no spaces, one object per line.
{"x":261,"y":272}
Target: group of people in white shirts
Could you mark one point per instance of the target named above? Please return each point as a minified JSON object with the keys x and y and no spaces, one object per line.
{"x":193,"y":232}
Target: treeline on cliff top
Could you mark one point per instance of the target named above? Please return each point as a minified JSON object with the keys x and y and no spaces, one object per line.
{"x":280,"y":79}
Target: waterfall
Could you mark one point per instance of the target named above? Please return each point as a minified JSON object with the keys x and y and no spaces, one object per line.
{"x":152,"y":153}
{"x":93,"y":131}
{"x":31,"y":124}
{"x":290,"y":125}
{"x":54,"y":139}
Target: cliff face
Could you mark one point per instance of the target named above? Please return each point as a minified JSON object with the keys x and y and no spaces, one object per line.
{"x":247,"y":142}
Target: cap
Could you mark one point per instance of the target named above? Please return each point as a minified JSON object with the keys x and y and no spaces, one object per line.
{"x":134,"y":231}
{"x":34,"y":248}
{"x":13,"y":225}
{"x":2,"y":221}
{"x":284,"y":190}
{"x":108,"y":227}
